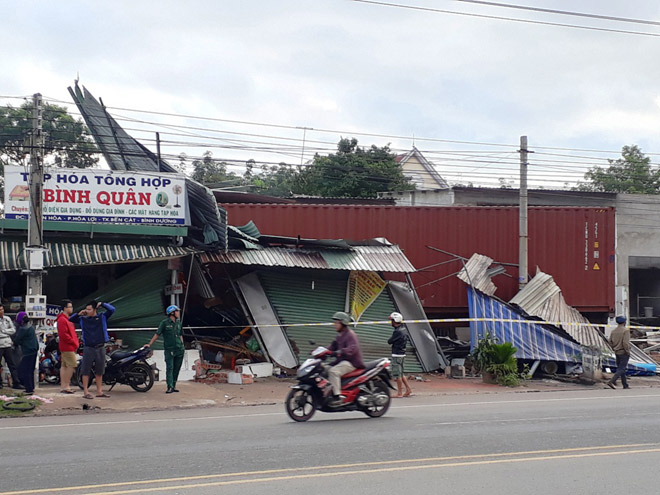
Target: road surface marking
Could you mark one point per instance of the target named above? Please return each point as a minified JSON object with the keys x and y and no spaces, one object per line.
{"x":395,"y":408}
{"x":591,"y":450}
{"x":294,"y":477}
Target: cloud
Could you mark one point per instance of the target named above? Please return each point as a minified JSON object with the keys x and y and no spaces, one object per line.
{"x":345,"y":66}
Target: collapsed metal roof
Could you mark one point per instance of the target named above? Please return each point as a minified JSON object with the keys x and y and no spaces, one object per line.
{"x":475,"y":273}
{"x":542,"y":297}
{"x":364,"y":258}
{"x":248,"y":246}
{"x":123,"y":152}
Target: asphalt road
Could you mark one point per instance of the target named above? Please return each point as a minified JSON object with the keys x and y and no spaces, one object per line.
{"x":542,"y":443}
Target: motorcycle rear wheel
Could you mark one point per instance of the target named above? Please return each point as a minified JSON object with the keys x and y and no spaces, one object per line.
{"x":147,"y":374}
{"x":299,"y":405}
{"x":375,"y":411}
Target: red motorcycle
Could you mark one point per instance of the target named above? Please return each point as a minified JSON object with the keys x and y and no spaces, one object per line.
{"x":366,"y":390}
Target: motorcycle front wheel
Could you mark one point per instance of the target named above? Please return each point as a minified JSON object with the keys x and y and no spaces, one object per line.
{"x":300,"y":405}
{"x":143,"y":377}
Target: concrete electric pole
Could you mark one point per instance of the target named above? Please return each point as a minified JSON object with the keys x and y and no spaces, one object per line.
{"x":35,"y":223}
{"x":522,"y":229}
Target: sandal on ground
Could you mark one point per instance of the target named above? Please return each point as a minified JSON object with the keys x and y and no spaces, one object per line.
{"x":103,"y":396}
{"x":88,"y":396}
{"x":67,"y":391}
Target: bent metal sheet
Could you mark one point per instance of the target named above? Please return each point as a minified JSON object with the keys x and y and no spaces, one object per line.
{"x":100,"y":196}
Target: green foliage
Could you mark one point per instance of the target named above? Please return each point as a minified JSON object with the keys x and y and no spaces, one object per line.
{"x":632,"y":173}
{"x":209,"y":171}
{"x":354,"y":172}
{"x":67,"y":141}
{"x":481,"y":354}
{"x":351,"y":172}
{"x":498,"y":359}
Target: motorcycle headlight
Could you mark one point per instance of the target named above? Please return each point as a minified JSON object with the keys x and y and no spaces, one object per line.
{"x":305,"y":370}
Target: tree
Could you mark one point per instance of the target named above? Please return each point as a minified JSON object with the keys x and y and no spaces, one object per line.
{"x":67,"y":141}
{"x":211,"y":172}
{"x":352,"y":172}
{"x":281,"y":180}
{"x":632,"y":173}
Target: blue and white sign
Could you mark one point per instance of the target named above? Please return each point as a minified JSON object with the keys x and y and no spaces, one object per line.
{"x":100,"y":196}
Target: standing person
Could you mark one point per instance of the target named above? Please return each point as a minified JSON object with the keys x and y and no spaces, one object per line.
{"x":26,"y":339}
{"x":172,"y":331}
{"x":94,"y":326}
{"x":346,"y":348}
{"x":398,"y":341}
{"x":620,"y":342}
{"x":66,"y":332}
{"x":7,"y":332}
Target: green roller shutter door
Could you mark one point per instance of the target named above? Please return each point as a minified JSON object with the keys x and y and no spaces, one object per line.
{"x":312,"y":297}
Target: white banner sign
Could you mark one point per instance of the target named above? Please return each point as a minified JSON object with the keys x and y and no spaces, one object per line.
{"x":100,"y":196}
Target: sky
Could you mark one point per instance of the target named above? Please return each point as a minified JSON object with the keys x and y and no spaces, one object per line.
{"x":423,"y":78}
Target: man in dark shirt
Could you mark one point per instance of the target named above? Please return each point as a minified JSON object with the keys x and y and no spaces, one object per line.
{"x":620,"y":342}
{"x":94,"y":328}
{"x":398,"y":341}
{"x":346,"y":348}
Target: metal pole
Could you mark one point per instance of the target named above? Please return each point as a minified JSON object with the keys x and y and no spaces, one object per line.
{"x":522,"y":231}
{"x":35,"y":224}
{"x":158,"y":149}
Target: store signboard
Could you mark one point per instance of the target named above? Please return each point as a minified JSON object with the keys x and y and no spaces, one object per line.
{"x":100,"y":196}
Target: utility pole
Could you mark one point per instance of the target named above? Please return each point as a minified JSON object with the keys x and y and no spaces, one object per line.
{"x":522,"y":229}
{"x":35,"y":224}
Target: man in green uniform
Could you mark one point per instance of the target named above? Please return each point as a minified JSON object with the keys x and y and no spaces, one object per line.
{"x":172,"y":331}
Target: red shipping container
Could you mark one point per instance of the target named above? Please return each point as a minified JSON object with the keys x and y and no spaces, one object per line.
{"x":574,"y":245}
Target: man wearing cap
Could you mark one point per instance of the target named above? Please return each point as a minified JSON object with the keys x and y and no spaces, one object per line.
{"x":620,"y":342}
{"x":398,"y":341}
{"x":172,"y":331}
{"x":346,"y":348}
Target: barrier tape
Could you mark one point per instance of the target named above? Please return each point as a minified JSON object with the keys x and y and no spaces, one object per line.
{"x":387,"y":322}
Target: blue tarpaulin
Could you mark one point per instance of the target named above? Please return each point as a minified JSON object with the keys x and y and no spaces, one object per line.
{"x":532,"y":340}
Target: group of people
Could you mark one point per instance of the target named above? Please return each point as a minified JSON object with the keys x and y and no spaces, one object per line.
{"x":346,"y":348}
{"x":19,"y":346}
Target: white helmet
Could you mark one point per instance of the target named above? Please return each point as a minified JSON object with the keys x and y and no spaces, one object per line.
{"x":396,"y":317}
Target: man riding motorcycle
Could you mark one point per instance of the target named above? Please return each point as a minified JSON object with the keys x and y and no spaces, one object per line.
{"x":346,"y":348}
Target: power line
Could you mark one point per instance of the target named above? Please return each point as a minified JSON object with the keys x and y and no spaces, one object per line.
{"x":563,"y":12}
{"x":500,"y":18}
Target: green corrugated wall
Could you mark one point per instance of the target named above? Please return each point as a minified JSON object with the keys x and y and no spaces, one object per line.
{"x":138,"y":299}
{"x":313,"y":297}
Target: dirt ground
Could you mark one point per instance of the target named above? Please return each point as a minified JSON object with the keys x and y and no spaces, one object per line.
{"x":270,"y":391}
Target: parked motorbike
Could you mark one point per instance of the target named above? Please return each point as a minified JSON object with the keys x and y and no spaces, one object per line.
{"x":366,"y":390}
{"x":126,"y":368}
{"x":50,"y":362}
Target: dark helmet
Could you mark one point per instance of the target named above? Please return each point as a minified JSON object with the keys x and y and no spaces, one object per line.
{"x":620,"y":320}
{"x":343,"y":317}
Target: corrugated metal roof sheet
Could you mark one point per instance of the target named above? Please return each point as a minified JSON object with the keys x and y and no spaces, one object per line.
{"x":123,"y":152}
{"x":475,"y":273}
{"x":361,"y":258}
{"x":542,"y":297}
{"x":13,"y":254}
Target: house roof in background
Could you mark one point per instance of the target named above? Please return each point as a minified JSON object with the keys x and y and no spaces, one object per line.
{"x":428,"y":166}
